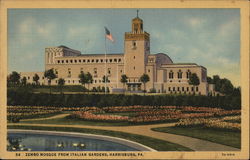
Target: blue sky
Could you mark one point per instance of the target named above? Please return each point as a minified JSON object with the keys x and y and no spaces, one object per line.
{"x":208,"y":37}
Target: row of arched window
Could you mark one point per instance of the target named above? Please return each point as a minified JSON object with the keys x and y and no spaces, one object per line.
{"x":111,"y":60}
{"x":179,"y":74}
{"x":78,"y":81}
{"x":183,"y":89}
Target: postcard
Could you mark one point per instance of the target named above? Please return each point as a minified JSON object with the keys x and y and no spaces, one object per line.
{"x":124,"y":79}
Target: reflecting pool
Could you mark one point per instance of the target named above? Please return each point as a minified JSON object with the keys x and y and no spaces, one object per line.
{"x":29,"y":141}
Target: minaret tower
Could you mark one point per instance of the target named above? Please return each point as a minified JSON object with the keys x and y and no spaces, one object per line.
{"x":136,"y":50}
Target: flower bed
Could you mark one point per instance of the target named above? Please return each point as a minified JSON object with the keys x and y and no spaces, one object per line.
{"x":89,"y":115}
{"x":211,"y":123}
{"x":184,"y":115}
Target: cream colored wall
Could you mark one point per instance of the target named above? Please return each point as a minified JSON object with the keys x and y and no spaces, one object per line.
{"x":151,"y":72}
{"x":116,"y":69}
{"x":134,"y":58}
{"x":163,"y":79}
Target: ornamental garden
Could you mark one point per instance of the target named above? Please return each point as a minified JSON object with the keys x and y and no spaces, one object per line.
{"x":212,"y":118}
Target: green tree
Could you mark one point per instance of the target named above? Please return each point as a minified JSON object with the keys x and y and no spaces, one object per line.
{"x":61,"y":83}
{"x":105,"y":79}
{"x":144,"y":79}
{"x":14,"y":78}
{"x":36,"y":78}
{"x":209,"y":80}
{"x":124,"y":80}
{"x":216,"y":82}
{"x":226,"y":86}
{"x":83,"y":78}
{"x":24,"y":81}
{"x":89,"y":79}
{"x":223,"y":86}
{"x":194,"y":80}
{"x":50,"y":75}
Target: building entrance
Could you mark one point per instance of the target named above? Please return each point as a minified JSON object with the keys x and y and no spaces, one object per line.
{"x":132,"y":86}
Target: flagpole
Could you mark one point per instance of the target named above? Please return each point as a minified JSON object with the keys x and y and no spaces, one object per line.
{"x":105,"y":64}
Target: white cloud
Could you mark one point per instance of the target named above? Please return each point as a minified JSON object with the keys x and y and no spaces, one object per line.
{"x":26,"y":25}
{"x":195,"y":22}
{"x":46,"y":30}
{"x":228,"y":28}
{"x":157,"y":35}
{"x":30,"y":28}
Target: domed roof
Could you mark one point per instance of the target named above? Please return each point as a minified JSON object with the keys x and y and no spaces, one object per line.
{"x":164,"y":58}
{"x":137,"y":19}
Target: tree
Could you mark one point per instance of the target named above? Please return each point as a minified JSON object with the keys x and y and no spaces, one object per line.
{"x":144,"y":79}
{"x":105,"y":79}
{"x":223,"y":86}
{"x":50,"y":75}
{"x":216,"y":82}
{"x":89,"y":79}
{"x":61,"y":83}
{"x":209,"y":80}
{"x":83,"y":78}
{"x":24,"y":81}
{"x":14,"y":78}
{"x":124,"y":80}
{"x":226,"y":86}
{"x":36,"y":78}
{"x":194,"y":80}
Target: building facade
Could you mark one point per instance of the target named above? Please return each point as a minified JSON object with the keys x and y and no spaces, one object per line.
{"x":165,"y":75}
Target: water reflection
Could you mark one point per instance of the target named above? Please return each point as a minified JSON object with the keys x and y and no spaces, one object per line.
{"x":41,"y":142}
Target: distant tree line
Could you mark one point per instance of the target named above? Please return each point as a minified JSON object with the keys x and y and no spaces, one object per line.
{"x":224,"y":86}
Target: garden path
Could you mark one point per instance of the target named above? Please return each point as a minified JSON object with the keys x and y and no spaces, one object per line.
{"x":145,"y":130}
{"x":52,"y":117}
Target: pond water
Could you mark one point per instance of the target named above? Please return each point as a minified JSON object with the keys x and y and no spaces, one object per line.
{"x":45,"y":142}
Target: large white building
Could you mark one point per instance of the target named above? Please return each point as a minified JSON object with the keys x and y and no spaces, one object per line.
{"x":165,"y":75}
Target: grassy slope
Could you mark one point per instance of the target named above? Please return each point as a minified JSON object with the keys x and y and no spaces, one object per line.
{"x":156,"y":144}
{"x":229,"y":138}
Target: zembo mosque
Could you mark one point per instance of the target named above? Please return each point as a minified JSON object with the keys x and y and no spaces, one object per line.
{"x":165,"y":75}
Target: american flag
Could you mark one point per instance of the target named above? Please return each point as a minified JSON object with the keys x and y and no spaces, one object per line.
{"x":109,"y":35}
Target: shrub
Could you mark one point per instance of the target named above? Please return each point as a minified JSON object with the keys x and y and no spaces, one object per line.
{"x":44,"y":99}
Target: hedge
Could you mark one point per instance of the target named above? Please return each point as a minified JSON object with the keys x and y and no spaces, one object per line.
{"x":26,"y":98}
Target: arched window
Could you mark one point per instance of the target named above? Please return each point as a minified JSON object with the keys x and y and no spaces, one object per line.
{"x":188,"y":73}
{"x":179,"y":74}
{"x":133,"y":44}
{"x":171,"y":75}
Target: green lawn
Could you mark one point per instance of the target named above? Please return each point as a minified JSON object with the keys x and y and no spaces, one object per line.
{"x":233,"y":121}
{"x":154,"y":143}
{"x":43,"y":115}
{"x":229,"y":138}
